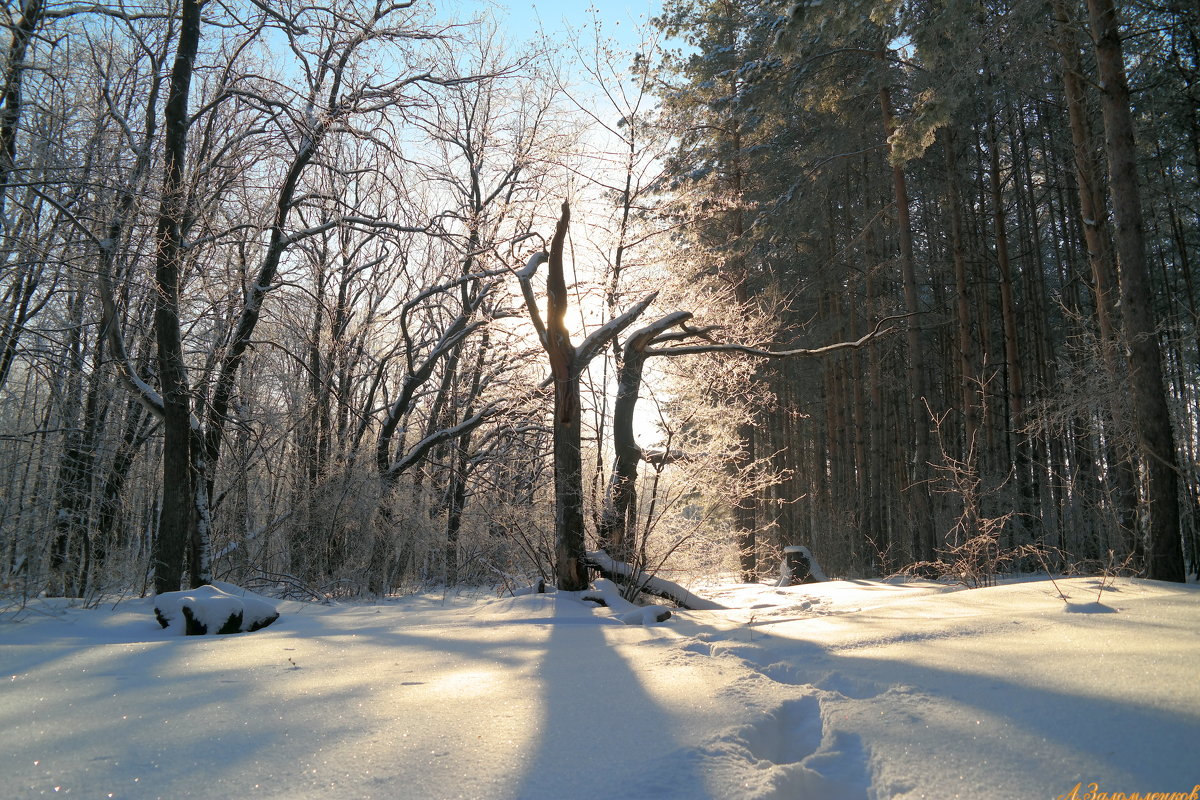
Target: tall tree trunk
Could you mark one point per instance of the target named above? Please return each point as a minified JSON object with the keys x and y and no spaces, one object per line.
{"x":924,"y":536}
{"x":878,"y":482}
{"x":969,"y":389}
{"x":456,"y":492}
{"x":1147,"y":387}
{"x":745,"y":508}
{"x":568,"y":450}
{"x":1018,"y":439}
{"x":109,"y":525}
{"x":177,"y":521}
{"x":23,"y":31}
{"x":1089,"y":183}
{"x":70,"y":552}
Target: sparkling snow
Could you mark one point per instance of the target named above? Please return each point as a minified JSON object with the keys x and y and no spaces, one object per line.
{"x":851,"y":689}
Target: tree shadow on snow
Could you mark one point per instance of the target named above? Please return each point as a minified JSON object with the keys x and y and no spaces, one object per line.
{"x":601,"y":733}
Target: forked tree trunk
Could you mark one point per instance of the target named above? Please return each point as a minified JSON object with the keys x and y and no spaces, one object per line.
{"x":566,"y":366}
{"x":616,"y":519}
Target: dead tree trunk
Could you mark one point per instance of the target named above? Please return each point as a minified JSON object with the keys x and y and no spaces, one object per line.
{"x":567,"y":363}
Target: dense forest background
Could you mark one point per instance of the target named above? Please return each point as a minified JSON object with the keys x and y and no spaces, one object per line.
{"x":264,"y":302}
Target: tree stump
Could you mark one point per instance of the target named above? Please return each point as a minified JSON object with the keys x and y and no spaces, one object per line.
{"x":799,"y":567}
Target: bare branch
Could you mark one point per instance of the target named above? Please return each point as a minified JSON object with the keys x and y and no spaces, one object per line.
{"x":422,"y":447}
{"x":757,"y":352}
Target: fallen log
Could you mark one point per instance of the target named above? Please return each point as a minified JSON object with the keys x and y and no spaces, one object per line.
{"x":622,"y":573}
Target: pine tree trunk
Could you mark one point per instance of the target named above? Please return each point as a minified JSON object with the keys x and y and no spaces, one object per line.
{"x":1147,"y":387}
{"x":1019,"y":456}
{"x":1089,"y":182}
{"x":923,"y":535}
{"x":969,"y":388}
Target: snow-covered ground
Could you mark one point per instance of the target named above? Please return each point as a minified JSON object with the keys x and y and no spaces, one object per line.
{"x":850,"y":689}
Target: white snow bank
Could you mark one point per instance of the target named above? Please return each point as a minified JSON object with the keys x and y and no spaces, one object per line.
{"x":212,"y":609}
{"x":924,"y":691}
{"x":823,"y":692}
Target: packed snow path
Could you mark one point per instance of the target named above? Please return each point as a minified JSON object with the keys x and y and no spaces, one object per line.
{"x":839,"y":690}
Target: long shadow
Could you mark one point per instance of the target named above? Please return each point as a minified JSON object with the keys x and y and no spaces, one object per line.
{"x":601,"y":733}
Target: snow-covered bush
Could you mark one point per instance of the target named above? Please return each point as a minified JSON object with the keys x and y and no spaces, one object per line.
{"x":209,"y":609}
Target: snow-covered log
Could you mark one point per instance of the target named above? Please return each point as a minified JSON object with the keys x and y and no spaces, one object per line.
{"x":608,"y":594}
{"x":799,"y":566}
{"x":621,"y":572}
{"x":210,"y":610}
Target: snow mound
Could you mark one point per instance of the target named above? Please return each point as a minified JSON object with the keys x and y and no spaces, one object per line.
{"x":209,"y":609}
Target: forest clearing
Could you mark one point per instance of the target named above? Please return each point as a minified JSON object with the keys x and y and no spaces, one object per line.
{"x":508,"y":362}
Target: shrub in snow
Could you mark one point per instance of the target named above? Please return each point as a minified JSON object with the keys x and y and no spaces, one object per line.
{"x":211,"y":610}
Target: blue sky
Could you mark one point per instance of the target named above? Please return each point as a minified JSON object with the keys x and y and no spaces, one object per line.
{"x":523,"y":18}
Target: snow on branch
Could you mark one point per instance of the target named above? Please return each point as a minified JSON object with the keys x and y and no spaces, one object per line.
{"x":608,"y":594}
{"x":525,"y":278}
{"x":600,"y":337}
